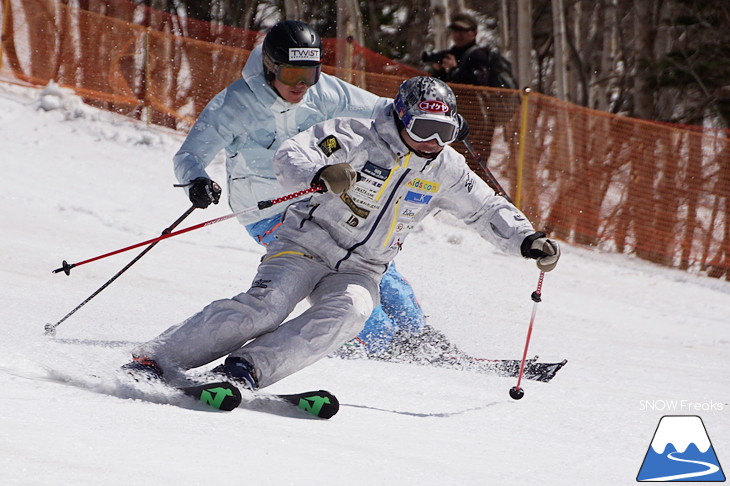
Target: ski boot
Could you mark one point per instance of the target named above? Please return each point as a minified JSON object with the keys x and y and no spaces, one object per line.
{"x":239,"y":372}
{"x":143,"y":368}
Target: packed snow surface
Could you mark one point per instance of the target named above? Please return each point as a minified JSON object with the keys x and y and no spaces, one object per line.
{"x":642,"y":341}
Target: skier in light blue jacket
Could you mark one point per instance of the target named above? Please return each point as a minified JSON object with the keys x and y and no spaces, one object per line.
{"x":281,"y":93}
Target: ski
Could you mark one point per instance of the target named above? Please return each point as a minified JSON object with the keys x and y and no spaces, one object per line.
{"x":219,"y":395}
{"x":431,"y":348}
{"x":321,"y":404}
{"x":534,"y":370}
{"x":226,"y":396}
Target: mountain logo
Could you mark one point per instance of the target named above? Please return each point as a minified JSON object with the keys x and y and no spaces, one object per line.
{"x":681,"y":451}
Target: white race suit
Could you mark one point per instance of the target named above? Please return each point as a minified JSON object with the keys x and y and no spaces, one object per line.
{"x":332,"y":249}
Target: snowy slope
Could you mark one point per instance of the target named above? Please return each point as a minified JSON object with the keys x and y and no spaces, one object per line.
{"x":79,"y":183}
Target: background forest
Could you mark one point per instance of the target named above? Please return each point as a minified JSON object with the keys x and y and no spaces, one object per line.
{"x":618,"y":183}
{"x":665,"y":60}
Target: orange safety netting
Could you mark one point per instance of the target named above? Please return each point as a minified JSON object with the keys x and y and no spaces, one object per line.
{"x":660,"y":192}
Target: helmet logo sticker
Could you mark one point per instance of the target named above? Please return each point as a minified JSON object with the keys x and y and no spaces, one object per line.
{"x":304,"y":54}
{"x":433,"y":106}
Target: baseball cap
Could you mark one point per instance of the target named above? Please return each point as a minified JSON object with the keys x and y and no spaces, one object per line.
{"x":463,"y":21}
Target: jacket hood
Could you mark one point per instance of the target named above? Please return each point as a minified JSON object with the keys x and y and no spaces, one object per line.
{"x":254,"y":65}
{"x":387,"y":128}
{"x":253,"y":75}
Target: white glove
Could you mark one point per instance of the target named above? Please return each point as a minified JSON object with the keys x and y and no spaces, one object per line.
{"x":549,"y":251}
{"x":337,"y":178}
{"x":545,"y":251}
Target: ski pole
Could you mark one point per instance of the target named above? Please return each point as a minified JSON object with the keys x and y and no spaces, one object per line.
{"x":516,"y":392}
{"x":51,"y":328}
{"x":66,"y":268}
{"x":491,"y":180}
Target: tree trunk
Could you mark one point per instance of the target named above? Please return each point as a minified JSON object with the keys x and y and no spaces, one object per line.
{"x":643,"y":60}
{"x":439,"y":21}
{"x":524,"y":43}
{"x":559,"y":44}
{"x":293,"y":10}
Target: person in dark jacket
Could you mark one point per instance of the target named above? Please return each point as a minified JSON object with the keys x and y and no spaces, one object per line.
{"x":465,"y":62}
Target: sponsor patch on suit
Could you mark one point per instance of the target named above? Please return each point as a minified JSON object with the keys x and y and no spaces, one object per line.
{"x":424,"y":185}
{"x":361,"y":212}
{"x":329,"y":145}
{"x":417,"y":198}
{"x":375,"y":171}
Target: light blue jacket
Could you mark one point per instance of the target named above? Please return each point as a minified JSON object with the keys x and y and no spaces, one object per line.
{"x":250,"y":121}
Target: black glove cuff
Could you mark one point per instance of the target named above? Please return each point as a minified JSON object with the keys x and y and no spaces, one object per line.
{"x":316,"y":181}
{"x":527,"y":244}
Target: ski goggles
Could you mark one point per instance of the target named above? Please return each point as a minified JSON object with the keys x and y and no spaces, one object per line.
{"x":293,"y":75}
{"x":423,"y":128}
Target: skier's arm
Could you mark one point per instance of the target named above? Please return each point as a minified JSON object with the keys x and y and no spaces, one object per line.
{"x":342,"y":99}
{"x":301,"y":159}
{"x":498,"y":221}
{"x":215,"y":129}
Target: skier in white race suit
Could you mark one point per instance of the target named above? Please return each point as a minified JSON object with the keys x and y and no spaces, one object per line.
{"x":281,"y":93}
{"x":380,"y":178}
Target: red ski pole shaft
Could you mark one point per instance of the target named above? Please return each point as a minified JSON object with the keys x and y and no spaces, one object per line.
{"x":516,"y":392}
{"x":66,"y":268}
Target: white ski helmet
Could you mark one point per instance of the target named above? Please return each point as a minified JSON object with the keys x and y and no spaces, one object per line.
{"x":427,"y":108}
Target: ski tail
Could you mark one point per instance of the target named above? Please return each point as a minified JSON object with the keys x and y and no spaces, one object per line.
{"x":220,"y":395}
{"x":534,"y":370}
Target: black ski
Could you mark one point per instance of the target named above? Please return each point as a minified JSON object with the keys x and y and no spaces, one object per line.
{"x":226,"y":396}
{"x":534,"y":370}
{"x":430,"y":347}
{"x":321,"y":403}
{"x":220,"y":395}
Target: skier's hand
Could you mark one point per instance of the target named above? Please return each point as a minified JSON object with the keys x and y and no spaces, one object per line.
{"x":544,"y":250}
{"x":203,"y":191}
{"x":336,"y":178}
{"x":463,"y":128}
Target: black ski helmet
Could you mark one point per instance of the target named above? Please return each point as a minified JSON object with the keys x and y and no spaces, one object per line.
{"x":291,"y":42}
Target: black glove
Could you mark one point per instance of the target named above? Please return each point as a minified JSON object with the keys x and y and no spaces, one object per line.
{"x":203,"y":191}
{"x":463,"y":128}
{"x":336,"y":178}
{"x":542,"y":249}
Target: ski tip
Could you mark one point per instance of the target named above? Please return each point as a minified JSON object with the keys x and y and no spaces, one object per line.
{"x":332,"y":407}
{"x":321,"y":403}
